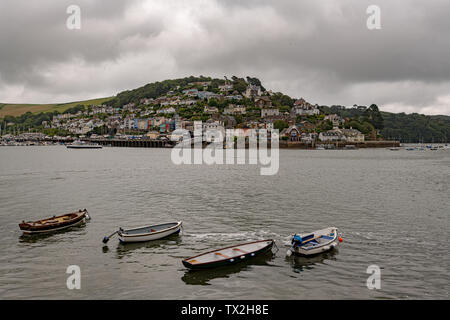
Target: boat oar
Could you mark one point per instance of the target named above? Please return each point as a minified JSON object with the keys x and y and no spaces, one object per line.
{"x":106,"y":239}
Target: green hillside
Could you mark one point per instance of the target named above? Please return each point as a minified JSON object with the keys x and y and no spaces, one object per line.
{"x":13,"y":109}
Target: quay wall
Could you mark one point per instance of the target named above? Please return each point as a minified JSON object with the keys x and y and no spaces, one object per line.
{"x":153,"y":143}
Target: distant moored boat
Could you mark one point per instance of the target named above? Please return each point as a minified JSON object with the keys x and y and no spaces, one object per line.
{"x":83,"y":145}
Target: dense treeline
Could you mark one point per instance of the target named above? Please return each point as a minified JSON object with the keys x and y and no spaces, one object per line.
{"x":29,"y":120}
{"x":408,"y":128}
{"x":416,"y":127}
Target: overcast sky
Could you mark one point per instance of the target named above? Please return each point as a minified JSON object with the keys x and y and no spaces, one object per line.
{"x":321,"y":50}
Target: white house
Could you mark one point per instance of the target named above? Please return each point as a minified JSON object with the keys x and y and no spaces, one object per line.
{"x":234,"y":109}
{"x":349,"y":135}
{"x":335,"y":119}
{"x":252,"y":91}
{"x":353,"y":135}
{"x":304,"y":108}
{"x":269,"y":112}
{"x":167,"y":110}
{"x":210,"y":110}
{"x":226,"y":87}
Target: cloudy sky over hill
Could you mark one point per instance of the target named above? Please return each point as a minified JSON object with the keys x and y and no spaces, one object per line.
{"x":319,"y":50}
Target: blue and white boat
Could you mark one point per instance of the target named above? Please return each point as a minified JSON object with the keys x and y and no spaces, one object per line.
{"x":316,"y":242}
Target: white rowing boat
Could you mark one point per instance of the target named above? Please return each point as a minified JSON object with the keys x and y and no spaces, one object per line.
{"x":319,"y":241}
{"x":147,"y":233}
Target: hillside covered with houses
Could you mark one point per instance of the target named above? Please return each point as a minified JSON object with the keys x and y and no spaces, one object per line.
{"x":157,"y":109}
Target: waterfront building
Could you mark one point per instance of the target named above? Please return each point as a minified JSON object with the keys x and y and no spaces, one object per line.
{"x":292,"y":133}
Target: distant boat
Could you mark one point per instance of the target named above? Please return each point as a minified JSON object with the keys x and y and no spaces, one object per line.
{"x":83,"y":145}
{"x":395,"y":149}
{"x":54,"y":223}
{"x":228,"y":255}
{"x":315,"y":242}
{"x":146,"y":233}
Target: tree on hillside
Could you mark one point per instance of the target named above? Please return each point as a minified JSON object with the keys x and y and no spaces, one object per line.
{"x":255,"y":82}
{"x":373,"y":115}
{"x":280,"y":125}
{"x":239,"y":84}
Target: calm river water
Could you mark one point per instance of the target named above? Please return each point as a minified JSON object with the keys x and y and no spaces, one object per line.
{"x":391,"y":207}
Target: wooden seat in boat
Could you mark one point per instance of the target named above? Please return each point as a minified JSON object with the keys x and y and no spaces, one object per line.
{"x":221,"y":254}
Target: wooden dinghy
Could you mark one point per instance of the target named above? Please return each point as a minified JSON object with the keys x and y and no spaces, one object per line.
{"x":319,"y":241}
{"x":228,"y":255}
{"x":54,"y":223}
{"x":147,"y":233}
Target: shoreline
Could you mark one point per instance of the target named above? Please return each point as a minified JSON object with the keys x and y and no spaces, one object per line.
{"x":147,"y":143}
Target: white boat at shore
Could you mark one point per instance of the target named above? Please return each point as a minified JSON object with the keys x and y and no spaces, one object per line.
{"x":83,"y":145}
{"x":146,"y":233}
{"x":316,"y":242}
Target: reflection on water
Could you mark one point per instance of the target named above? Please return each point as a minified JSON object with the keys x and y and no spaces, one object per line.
{"x":385,"y":203}
{"x":126,"y":249}
{"x":202,"y":277}
{"x":302,"y":263}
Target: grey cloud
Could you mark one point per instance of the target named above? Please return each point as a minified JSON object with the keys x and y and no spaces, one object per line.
{"x":321,"y":50}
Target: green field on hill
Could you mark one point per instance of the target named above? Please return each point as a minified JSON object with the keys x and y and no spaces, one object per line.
{"x":15,"y":110}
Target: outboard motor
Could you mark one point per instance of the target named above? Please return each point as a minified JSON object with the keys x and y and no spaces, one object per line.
{"x":296,"y":240}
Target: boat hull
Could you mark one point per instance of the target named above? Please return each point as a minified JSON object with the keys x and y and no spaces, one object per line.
{"x":127,"y":238}
{"x":84,"y":147}
{"x":29,"y":228}
{"x":321,"y":248}
{"x":230,"y":261}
